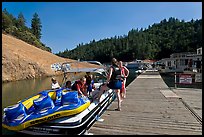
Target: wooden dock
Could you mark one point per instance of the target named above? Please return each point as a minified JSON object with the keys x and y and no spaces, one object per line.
{"x":150,"y":108}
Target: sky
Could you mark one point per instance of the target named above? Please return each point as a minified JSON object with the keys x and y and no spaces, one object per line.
{"x":67,"y":24}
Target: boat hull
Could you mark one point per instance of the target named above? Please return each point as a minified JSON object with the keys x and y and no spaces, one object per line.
{"x":78,"y":127}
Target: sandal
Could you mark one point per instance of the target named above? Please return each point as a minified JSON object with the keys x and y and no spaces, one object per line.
{"x":117,"y":109}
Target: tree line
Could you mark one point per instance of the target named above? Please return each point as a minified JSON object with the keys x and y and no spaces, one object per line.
{"x":155,"y":42}
{"x":17,"y":28}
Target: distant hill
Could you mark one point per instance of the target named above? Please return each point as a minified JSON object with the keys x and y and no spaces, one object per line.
{"x":21,"y":60}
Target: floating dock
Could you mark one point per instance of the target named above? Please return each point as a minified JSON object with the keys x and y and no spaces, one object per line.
{"x":152,"y":108}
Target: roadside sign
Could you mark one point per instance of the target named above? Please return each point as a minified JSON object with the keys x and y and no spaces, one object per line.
{"x":185,"y":79}
{"x":198,"y":77}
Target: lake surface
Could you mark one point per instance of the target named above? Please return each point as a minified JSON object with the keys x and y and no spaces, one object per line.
{"x":13,"y":92}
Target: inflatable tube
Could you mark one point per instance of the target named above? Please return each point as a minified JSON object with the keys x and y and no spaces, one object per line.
{"x":45,"y":106}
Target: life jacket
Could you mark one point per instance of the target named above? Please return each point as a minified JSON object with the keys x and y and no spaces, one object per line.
{"x":116,"y":74}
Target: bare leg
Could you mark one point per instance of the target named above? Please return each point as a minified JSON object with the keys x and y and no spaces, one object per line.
{"x":123,"y":91}
{"x":121,"y":94}
{"x":124,"y":96}
{"x":118,"y":98}
{"x":102,"y":89}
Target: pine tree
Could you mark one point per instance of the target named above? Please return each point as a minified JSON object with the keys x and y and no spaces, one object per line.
{"x":36,"y":26}
{"x":6,"y":21}
{"x":20,"y":21}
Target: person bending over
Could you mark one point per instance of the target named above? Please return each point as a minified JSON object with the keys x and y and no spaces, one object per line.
{"x":80,"y":86}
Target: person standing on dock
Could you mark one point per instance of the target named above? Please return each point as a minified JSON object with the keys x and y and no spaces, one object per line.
{"x":124,"y":75}
{"x":113,"y":82}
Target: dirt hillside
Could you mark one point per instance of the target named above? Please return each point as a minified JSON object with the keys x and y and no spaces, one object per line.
{"x":21,"y":60}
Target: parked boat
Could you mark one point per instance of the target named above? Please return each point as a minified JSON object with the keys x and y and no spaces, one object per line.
{"x":134,"y":65}
{"x":76,"y":124}
{"x":94,"y":62}
{"x":60,"y":111}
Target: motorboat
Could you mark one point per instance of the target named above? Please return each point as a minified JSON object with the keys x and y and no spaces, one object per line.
{"x":134,"y":65}
{"x":77,"y":124}
{"x":68,"y":113}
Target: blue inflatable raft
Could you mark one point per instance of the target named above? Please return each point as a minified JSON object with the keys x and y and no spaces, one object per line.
{"x":44,"y":106}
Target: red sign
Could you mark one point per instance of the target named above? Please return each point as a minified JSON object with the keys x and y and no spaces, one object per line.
{"x":185,"y":79}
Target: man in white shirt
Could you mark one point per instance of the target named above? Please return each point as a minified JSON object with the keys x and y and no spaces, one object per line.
{"x":55,"y":84}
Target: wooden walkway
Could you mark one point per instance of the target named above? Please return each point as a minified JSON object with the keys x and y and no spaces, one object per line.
{"x":150,"y":108}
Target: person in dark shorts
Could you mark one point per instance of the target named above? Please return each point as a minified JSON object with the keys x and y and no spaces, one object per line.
{"x":89,"y":83}
{"x":113,"y":82}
